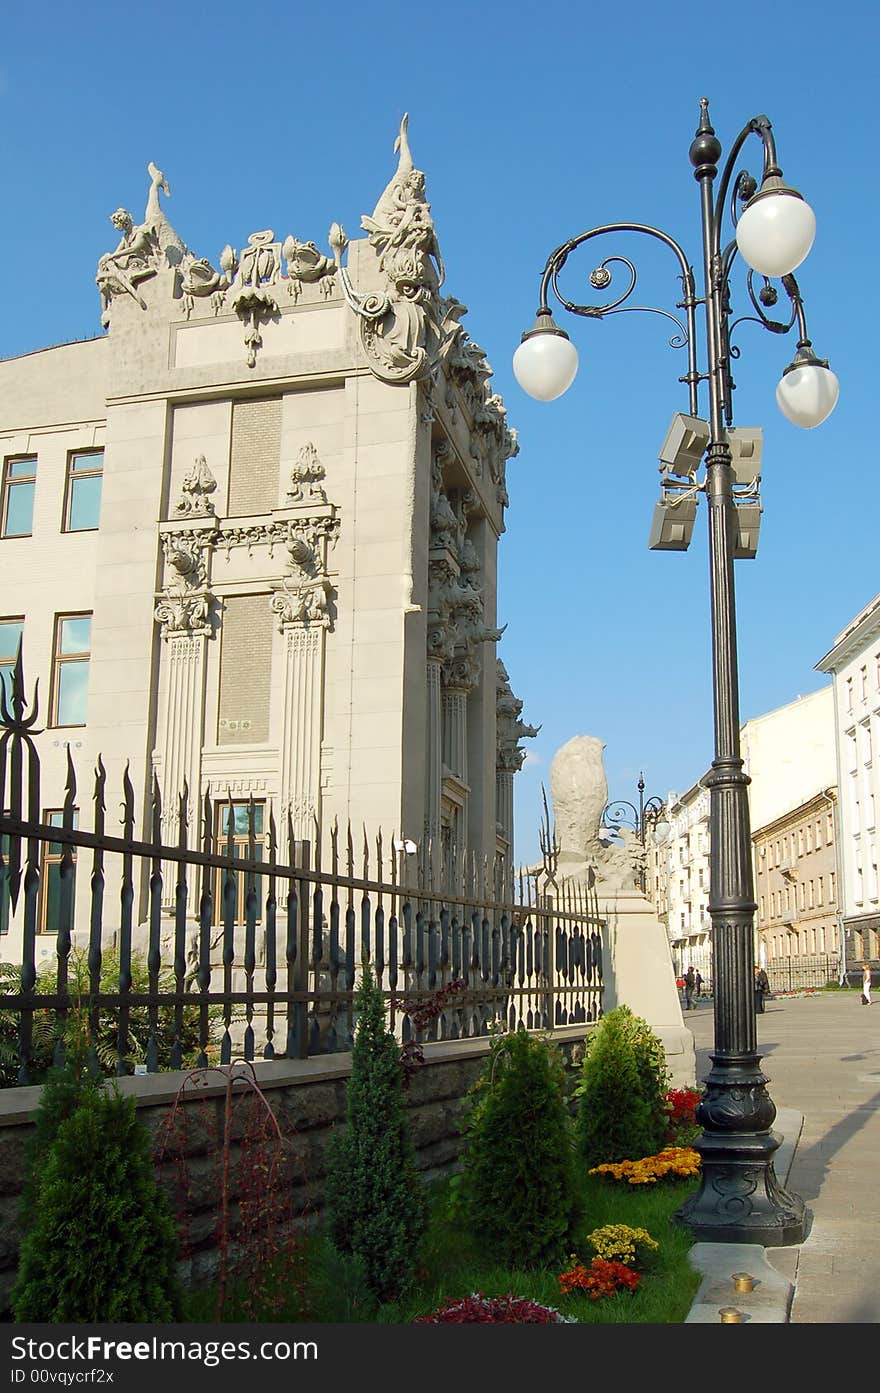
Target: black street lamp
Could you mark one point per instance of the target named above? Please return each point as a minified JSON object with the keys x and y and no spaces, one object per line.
{"x":619,"y":813}
{"x":740,"y":1198}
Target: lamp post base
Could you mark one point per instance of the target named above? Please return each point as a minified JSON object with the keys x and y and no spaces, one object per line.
{"x":740,"y":1199}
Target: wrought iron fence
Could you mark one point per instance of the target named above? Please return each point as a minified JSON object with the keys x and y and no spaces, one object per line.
{"x":802,"y":970}
{"x":187,"y":954}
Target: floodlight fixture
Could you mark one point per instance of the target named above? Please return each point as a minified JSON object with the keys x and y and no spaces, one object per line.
{"x":673,"y":523}
{"x":684,"y":446}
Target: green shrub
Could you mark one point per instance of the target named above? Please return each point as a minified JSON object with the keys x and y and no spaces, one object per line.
{"x":102,"y":1246}
{"x":654,"y":1076}
{"x":617,"y":1117}
{"x":375,"y":1206}
{"x":60,"y":1096}
{"x":518,"y":1180}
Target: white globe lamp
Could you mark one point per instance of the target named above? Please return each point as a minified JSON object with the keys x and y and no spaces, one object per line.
{"x":775,"y":229}
{"x":546,"y":361}
{"x":808,"y":390}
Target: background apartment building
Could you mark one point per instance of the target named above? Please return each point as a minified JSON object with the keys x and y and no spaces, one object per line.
{"x":854,"y":663}
{"x":789,"y":756}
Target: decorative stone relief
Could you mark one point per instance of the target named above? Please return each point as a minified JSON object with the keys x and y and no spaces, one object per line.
{"x":305,"y":477}
{"x":184,"y":603}
{"x":307,"y":532}
{"x":306,"y":603}
{"x":409,"y":329}
{"x":510,"y":728}
{"x":579,"y":790}
{"x":198,"y":483}
{"x":307,"y":266}
{"x":199,"y":282}
{"x":142,"y":250}
{"x":257,"y":268}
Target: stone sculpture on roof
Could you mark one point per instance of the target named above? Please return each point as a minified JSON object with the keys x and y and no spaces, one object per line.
{"x":407,"y":330}
{"x":141,"y":250}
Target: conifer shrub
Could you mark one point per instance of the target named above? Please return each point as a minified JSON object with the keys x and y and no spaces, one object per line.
{"x":60,"y":1096}
{"x":617,"y":1117}
{"x":517,"y":1187}
{"x":102,"y":1245}
{"x":375,"y":1205}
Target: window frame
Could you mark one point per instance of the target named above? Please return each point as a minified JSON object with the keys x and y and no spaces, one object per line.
{"x":240,"y":852}
{"x":60,"y":660}
{"x":8,"y":664}
{"x":7,"y":484}
{"x":52,"y":858}
{"x":71,"y":479}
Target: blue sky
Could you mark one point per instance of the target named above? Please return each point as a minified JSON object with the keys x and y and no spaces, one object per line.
{"x":531,"y":126}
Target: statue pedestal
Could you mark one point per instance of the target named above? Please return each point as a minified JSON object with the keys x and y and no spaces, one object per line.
{"x":637,"y":972}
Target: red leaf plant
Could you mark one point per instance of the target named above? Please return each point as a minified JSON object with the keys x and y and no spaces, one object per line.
{"x":492,"y":1310}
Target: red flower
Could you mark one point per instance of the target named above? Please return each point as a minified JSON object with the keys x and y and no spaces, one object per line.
{"x":603,"y":1277}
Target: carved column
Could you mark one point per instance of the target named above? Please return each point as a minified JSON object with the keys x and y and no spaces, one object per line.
{"x":455,"y":731}
{"x":433,"y":745}
{"x":303,"y":709}
{"x":183,"y":611}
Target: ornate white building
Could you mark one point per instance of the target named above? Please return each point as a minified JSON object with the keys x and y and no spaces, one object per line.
{"x":249,"y":537}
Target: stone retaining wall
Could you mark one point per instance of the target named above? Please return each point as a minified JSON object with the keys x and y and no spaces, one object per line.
{"x":308,"y":1099}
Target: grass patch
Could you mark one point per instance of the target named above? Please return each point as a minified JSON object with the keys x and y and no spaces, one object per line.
{"x":325,"y":1287}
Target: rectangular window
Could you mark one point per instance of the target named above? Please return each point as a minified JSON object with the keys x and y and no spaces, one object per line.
{"x":10,"y":637}
{"x":863,"y":682}
{"x":50,"y":905}
{"x":812,"y":892}
{"x":849,"y":694}
{"x":19,"y":483}
{"x":820,"y":890}
{"x":70,"y":669}
{"x":240,"y":849}
{"x":82,"y":503}
{"x":831,"y":888}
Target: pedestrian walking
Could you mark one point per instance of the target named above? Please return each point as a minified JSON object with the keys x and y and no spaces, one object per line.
{"x":762,"y":987}
{"x":690,"y":982}
{"x":698,"y":984}
{"x":866,"y":985}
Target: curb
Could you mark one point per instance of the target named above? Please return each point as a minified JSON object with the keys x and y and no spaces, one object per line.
{"x":769,"y":1303}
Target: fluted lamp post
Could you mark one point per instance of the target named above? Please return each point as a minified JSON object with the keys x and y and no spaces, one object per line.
{"x":740,"y":1198}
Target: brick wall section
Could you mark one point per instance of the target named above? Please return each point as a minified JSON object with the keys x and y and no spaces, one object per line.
{"x":245,"y":670}
{"x":308,"y":1099}
{"x":256,"y":456}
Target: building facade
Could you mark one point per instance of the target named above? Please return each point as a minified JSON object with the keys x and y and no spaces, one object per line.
{"x":796,"y":874}
{"x":854,"y":664}
{"x":678,"y":878}
{"x":249,"y":536}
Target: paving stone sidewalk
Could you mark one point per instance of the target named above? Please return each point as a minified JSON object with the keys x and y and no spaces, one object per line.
{"x":822,"y":1056}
